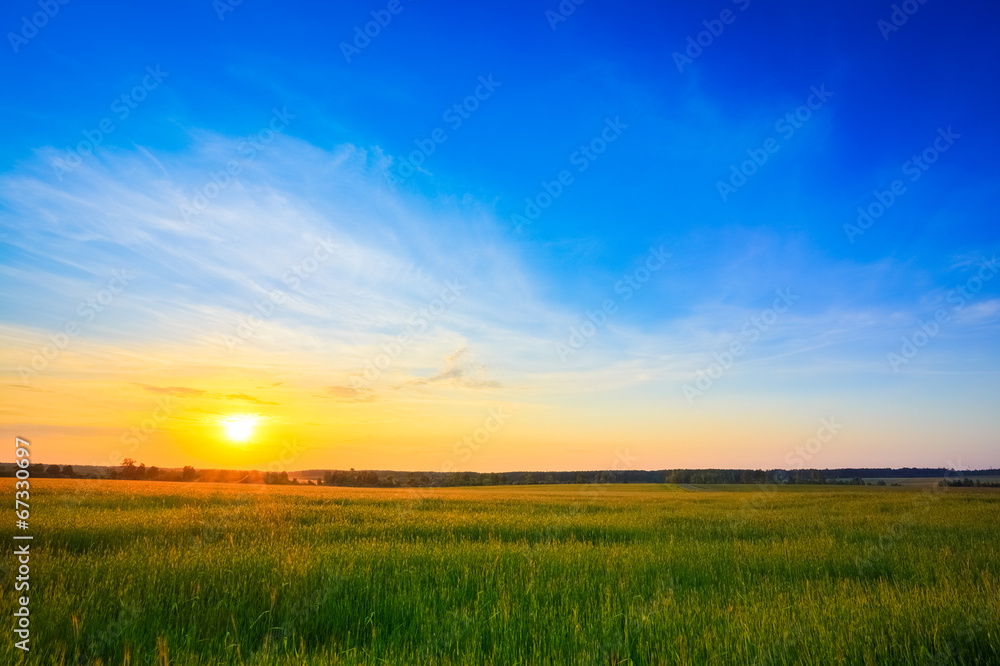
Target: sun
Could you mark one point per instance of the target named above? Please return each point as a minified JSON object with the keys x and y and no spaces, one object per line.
{"x":240,"y":428}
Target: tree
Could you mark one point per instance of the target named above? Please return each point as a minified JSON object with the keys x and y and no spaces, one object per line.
{"x":69,"y":472}
{"x":367,"y":478}
{"x":188,"y":474}
{"x":53,"y":471}
{"x":152,"y":473}
{"x":128,"y":470}
{"x":277,"y":478}
{"x":680,"y":476}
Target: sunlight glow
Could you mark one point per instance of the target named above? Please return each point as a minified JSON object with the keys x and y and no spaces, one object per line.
{"x":240,"y":428}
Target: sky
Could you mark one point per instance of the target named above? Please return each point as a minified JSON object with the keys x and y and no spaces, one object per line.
{"x":504,"y":236}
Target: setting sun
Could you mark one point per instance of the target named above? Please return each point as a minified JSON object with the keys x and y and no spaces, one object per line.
{"x":240,"y":428}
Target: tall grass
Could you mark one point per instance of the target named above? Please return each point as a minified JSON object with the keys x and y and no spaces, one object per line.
{"x":152,"y":573}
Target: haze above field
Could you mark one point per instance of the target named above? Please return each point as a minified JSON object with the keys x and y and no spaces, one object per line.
{"x":486,"y":239}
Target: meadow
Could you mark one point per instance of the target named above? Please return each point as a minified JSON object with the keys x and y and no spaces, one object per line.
{"x":128,"y":572}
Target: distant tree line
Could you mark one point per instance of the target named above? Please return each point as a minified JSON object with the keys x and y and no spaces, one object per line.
{"x":130,"y":469}
{"x":969,"y":483}
{"x":845,"y":476}
{"x":40,"y":470}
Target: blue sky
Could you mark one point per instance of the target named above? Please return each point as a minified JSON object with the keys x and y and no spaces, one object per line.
{"x":344,"y":126}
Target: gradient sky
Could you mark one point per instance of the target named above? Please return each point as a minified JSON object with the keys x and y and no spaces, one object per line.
{"x":132,"y":281}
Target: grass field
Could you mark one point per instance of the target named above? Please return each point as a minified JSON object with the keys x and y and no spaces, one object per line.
{"x":142,"y":573}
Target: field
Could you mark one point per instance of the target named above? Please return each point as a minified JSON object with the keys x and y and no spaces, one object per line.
{"x":156,"y":573}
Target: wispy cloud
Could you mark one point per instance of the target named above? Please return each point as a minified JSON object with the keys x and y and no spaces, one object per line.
{"x":248,"y":398}
{"x":200,"y":280}
{"x":459,"y":372}
{"x":348,"y":394}
{"x":173,"y":390}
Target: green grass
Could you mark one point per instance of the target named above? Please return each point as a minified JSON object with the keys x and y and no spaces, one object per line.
{"x":125,"y":572}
